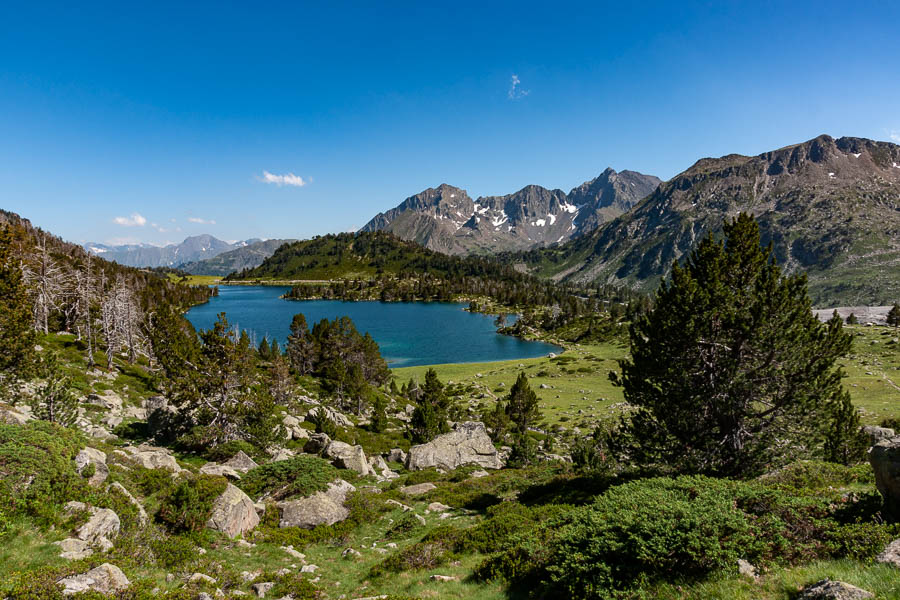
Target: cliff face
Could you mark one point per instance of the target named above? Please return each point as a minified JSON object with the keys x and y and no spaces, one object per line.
{"x":447,"y":220}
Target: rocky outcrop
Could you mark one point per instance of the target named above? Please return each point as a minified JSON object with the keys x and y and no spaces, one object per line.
{"x":233,"y":513}
{"x":875,"y":434}
{"x":467,"y":444}
{"x":337,"y":418}
{"x":153,"y":458}
{"x":322,"y":508}
{"x":241,"y":462}
{"x":101,"y":528}
{"x":212,"y":468}
{"x":891,"y":554}
{"x":833,"y":590}
{"x":104,"y":579}
{"x":143,"y":519}
{"x":92,"y":456}
{"x":885,"y":459}
{"x":293,"y":430}
{"x":345,"y":456}
{"x":417,"y":489}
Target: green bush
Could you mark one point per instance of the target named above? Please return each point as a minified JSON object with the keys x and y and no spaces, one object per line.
{"x":817,"y":475}
{"x":683,"y":529}
{"x":403,"y":527}
{"x":223,"y":452}
{"x":299,"y":476}
{"x":174,"y":552}
{"x":37,"y":470}
{"x":188,"y":506}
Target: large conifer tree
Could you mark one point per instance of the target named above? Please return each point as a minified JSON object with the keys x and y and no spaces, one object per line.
{"x":730,"y":372}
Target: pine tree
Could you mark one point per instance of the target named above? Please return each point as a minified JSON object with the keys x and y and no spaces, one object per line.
{"x":893,"y":316}
{"x":730,"y":372}
{"x":264,"y":350}
{"x":300,"y":349}
{"x":55,"y":400}
{"x":429,"y":419}
{"x":379,"y":414}
{"x":522,"y":408}
{"x":17,"y":338}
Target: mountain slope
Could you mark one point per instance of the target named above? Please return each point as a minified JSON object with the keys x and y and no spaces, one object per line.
{"x":245,"y":257}
{"x":831,"y":208}
{"x":447,"y":220}
{"x":192,"y":249}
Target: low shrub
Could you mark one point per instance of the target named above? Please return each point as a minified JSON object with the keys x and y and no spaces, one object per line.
{"x":223,"y":452}
{"x":299,"y":476}
{"x":188,"y":505}
{"x":403,"y":527}
{"x":817,"y":475}
{"x":682,"y":529}
{"x":37,"y":470}
{"x":174,"y":552}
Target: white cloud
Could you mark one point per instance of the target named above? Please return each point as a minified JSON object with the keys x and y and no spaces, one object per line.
{"x":202,"y":221}
{"x":280,"y":180}
{"x":135,"y":220}
{"x":515,"y":91}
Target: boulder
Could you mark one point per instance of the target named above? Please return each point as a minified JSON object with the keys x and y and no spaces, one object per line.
{"x":418,"y":489}
{"x":143,"y":519}
{"x":233,"y":513}
{"x":833,"y":590}
{"x":875,"y":434}
{"x":317,"y":443}
{"x":322,"y":508}
{"x":381,"y":468}
{"x":338,"y":419}
{"x":345,"y":456}
{"x":241,"y":462}
{"x":212,"y":468}
{"x":104,"y":525}
{"x":92,"y":456}
{"x":885,"y":459}
{"x":292,"y":428}
{"x":74,"y":549}
{"x":397,"y":455}
{"x":891,"y":554}
{"x":282,"y":454}
{"x":467,"y":444}
{"x":154,"y":458}
{"x":104,"y":579}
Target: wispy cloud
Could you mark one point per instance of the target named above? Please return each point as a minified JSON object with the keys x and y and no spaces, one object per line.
{"x":201,"y":221}
{"x":135,"y":220}
{"x":280,"y":180}
{"x":895,"y":135}
{"x":515,"y":88}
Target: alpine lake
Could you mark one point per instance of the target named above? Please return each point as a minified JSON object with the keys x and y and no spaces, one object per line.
{"x":408,"y":333}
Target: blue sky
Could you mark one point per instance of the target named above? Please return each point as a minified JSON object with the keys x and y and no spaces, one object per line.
{"x":158,"y":122}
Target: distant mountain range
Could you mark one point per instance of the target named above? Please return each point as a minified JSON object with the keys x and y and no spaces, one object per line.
{"x":446,"y":219}
{"x":193,"y":255}
{"x":830,"y":208}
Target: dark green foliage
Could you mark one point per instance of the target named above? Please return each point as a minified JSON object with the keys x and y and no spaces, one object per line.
{"x":730,"y":372}
{"x":174,"y":551}
{"x":403,"y":527}
{"x":17,"y":356}
{"x":852,"y":320}
{"x":687,"y":528}
{"x":188,"y":506}
{"x":893,"y":316}
{"x":432,"y":407}
{"x":264,"y":350}
{"x":300,"y":348}
{"x":379,"y":413}
{"x":323,"y":423}
{"x":222,"y":452}
{"x":299,"y":476}
{"x":215,"y":384}
{"x":522,"y":407}
{"x":55,"y":399}
{"x":37,"y":468}
{"x":845,"y":442}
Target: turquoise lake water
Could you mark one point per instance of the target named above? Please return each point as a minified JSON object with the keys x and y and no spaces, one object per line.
{"x":409,"y":333}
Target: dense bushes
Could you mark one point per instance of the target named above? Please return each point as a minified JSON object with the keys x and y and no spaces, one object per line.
{"x":686,"y":528}
{"x":37,"y":470}
{"x":298,"y":476}
{"x":188,"y":506}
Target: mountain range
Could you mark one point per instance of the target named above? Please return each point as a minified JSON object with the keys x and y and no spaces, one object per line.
{"x":829,"y":207}
{"x":446,"y":219}
{"x":198,"y":255}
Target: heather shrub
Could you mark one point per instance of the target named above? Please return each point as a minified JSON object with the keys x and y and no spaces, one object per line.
{"x":299,"y":476}
{"x":188,"y":505}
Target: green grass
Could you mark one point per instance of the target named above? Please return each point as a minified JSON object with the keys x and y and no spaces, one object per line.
{"x":195,"y":279}
{"x":579,"y":378}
